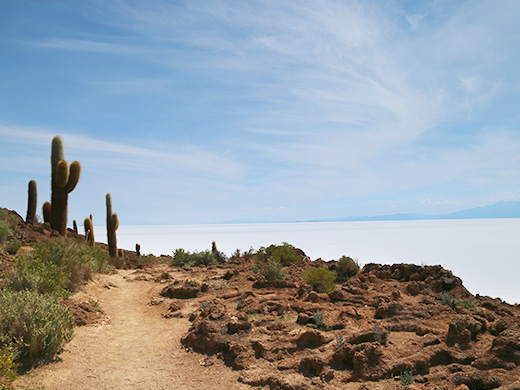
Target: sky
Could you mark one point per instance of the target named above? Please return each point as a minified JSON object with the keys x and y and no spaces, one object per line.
{"x":206,"y":111}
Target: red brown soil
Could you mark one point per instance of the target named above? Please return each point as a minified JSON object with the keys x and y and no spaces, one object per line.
{"x":226,"y":327}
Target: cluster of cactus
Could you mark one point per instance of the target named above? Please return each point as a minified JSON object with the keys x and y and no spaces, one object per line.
{"x":64,"y":179}
{"x":112,"y":225}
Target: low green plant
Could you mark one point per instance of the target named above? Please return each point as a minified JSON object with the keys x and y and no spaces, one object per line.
{"x":192,"y":259}
{"x":406,"y":378}
{"x":33,"y":325}
{"x":339,"y":341}
{"x":285,"y":254}
{"x":272,"y":270}
{"x":36,"y":275}
{"x":448,"y":300}
{"x":7,"y":367}
{"x":76,"y":260}
{"x":321,"y":279}
{"x":12,"y":247}
{"x":238,"y":255}
{"x":318,"y":319}
{"x":8,"y":225}
{"x":255,"y":269}
{"x":346,"y":268}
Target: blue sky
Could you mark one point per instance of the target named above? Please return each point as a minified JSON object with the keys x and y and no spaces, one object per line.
{"x":208,"y":111}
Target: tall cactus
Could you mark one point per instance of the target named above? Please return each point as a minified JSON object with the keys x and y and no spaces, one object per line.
{"x":31,"y":202}
{"x":112,"y":225}
{"x":64,"y":180}
{"x":89,"y":231}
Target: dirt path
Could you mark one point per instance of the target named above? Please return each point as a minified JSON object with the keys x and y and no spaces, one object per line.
{"x":136,"y":349}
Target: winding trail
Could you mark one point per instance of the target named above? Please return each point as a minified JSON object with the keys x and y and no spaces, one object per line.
{"x":135,"y":349}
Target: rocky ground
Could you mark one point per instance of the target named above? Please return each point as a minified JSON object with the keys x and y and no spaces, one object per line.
{"x":390,"y":326}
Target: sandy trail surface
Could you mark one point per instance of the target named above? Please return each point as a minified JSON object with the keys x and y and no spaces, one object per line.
{"x":135,"y":348}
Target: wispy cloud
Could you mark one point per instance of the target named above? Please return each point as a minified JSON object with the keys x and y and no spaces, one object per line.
{"x":300,"y":103}
{"x":89,"y":46}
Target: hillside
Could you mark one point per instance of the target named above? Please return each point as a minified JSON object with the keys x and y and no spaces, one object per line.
{"x":158,"y":325}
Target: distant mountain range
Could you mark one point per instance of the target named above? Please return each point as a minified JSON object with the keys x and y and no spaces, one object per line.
{"x":502,"y":209}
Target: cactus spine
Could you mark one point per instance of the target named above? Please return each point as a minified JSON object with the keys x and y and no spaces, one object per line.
{"x":64,"y":180}
{"x":112,"y":225}
{"x":31,"y":203}
{"x":89,"y":231}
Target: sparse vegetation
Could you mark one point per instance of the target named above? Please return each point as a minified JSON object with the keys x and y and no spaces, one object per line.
{"x":346,"y":268}
{"x":321,"y":279}
{"x":194,"y":259}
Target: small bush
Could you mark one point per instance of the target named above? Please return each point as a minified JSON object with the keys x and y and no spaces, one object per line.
{"x":321,"y":279}
{"x":77,"y":261}
{"x":33,"y":325}
{"x":38,"y":276}
{"x":285,"y":254}
{"x":238,"y":255}
{"x":13,"y":247}
{"x":193,"y":259}
{"x":185,"y":258}
{"x":346,"y":268}
{"x":406,"y":378}
{"x":7,"y":367}
{"x":7,"y":225}
{"x":273,"y":270}
{"x":448,"y":300}
{"x":318,"y":319}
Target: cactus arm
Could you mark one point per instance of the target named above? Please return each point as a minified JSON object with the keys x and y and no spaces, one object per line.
{"x":114,"y":221}
{"x":75,"y":170}
{"x":62,"y":174}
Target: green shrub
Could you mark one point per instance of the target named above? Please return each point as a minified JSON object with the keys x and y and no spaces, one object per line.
{"x":285,"y":254}
{"x":346,"y":268}
{"x":13,"y":247}
{"x":38,"y":276}
{"x":76,"y":260}
{"x":7,"y":225}
{"x":406,"y":378}
{"x":321,"y":279}
{"x":33,"y":325}
{"x":7,"y":367}
{"x":318,"y":319}
{"x":448,"y":300}
{"x":238,"y":255}
{"x":272,"y":270}
{"x":193,"y":259}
